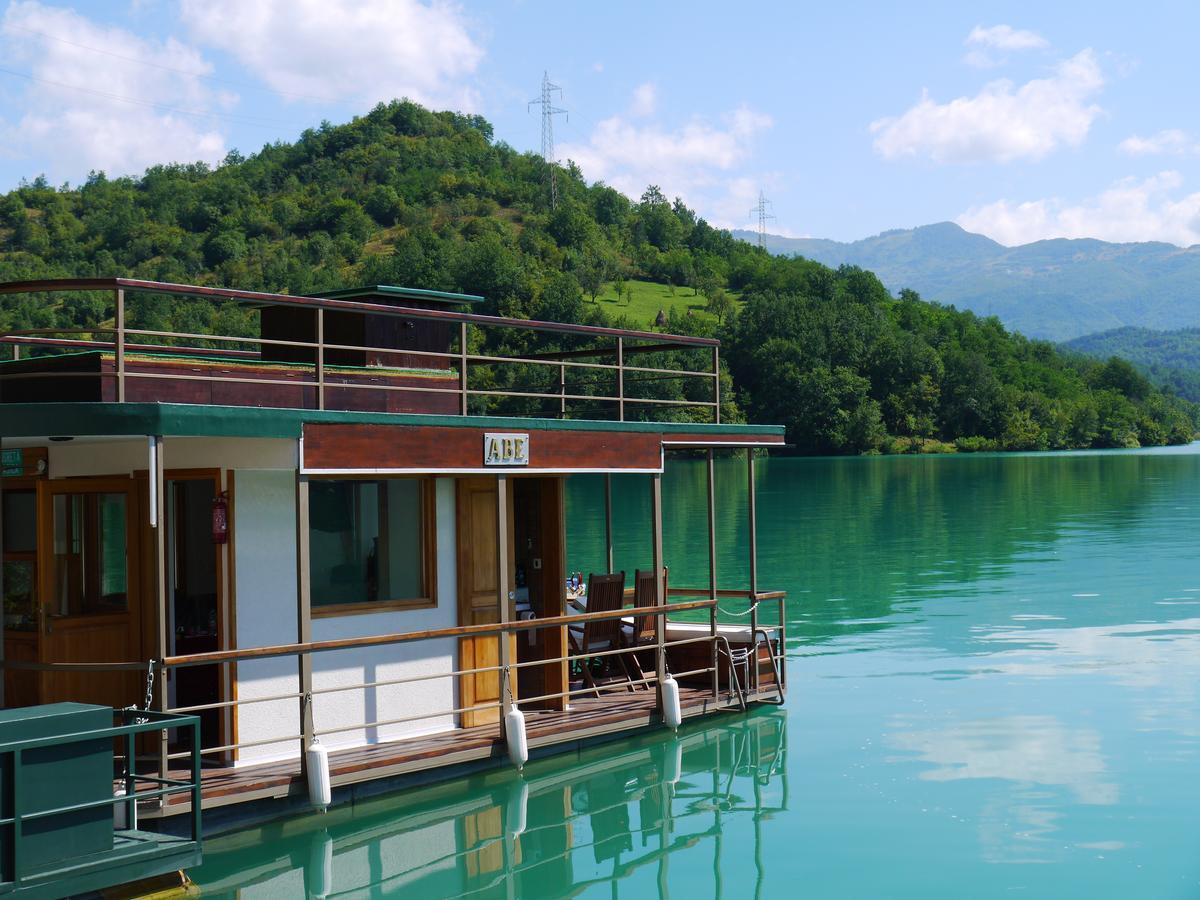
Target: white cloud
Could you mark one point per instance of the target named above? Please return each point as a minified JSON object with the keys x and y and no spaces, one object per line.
{"x":989,"y":46}
{"x":699,"y":161}
{"x":1170,"y":141}
{"x":1005,"y":37}
{"x":1002,"y":122}
{"x":135,"y":103}
{"x":360,"y":51}
{"x":1150,"y":209}
{"x":645,"y":100}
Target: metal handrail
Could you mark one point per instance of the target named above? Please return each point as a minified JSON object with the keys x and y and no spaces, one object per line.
{"x":120,"y":344}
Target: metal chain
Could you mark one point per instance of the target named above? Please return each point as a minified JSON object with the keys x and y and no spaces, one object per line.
{"x":149,"y":685}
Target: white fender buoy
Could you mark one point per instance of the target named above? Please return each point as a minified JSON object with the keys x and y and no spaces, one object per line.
{"x":672,"y":713}
{"x":514,"y":734}
{"x":320,"y":865}
{"x":518,"y":806}
{"x":673,"y":762}
{"x":316,"y":759}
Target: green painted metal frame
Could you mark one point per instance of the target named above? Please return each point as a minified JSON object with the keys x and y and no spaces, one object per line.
{"x":194,"y":420}
{"x":124,"y":863}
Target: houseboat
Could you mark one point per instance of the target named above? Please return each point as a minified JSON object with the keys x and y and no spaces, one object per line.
{"x":345,"y":530}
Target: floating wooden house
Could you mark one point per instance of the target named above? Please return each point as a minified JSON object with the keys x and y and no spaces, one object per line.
{"x":348,"y":525}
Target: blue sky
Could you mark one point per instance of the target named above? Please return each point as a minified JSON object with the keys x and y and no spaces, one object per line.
{"x":1018,"y":120}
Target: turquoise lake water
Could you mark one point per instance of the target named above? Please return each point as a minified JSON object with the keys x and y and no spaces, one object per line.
{"x":993,"y":668}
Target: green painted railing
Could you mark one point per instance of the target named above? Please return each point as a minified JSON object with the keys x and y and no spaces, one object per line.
{"x":135,"y":854}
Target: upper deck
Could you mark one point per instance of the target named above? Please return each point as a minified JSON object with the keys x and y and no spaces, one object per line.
{"x":391,"y":350}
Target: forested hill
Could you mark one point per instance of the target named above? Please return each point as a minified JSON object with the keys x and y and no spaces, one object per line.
{"x":406,"y":196}
{"x":1170,"y":359}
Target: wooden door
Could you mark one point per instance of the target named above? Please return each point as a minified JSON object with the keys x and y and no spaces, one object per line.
{"x":88,"y":588}
{"x":478,"y":592}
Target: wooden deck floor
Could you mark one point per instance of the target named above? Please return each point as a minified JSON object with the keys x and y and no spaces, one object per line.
{"x":588,"y":717}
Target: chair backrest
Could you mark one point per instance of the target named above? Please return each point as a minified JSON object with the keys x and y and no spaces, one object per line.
{"x":644,"y":595}
{"x":606,"y":593}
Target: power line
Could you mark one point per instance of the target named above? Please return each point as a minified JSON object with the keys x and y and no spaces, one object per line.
{"x":549,"y":111}
{"x":760,"y":210}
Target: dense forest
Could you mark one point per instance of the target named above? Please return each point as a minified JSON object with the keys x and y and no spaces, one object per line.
{"x":408,"y":196}
{"x":1170,"y":359}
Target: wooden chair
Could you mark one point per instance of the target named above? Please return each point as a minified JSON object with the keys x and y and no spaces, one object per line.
{"x":606,"y":593}
{"x":643,"y":631}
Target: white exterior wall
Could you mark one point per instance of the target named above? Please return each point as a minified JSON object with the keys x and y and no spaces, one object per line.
{"x":342,"y":709}
{"x":265,"y":552}
{"x":264,"y":595}
{"x":264,"y":536}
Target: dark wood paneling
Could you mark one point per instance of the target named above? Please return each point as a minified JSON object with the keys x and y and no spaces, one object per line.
{"x":445,"y":448}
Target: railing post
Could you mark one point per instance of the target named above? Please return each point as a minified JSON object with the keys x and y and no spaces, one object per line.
{"x":16,"y":352}
{"x":303,"y":618}
{"x":161,"y":648}
{"x":562,"y":391}
{"x":621,"y":379}
{"x":320,"y":358}
{"x":502,"y":578}
{"x":119,"y":315}
{"x":17,"y":803}
{"x":717,"y":384}
{"x":2,"y":594}
{"x":712,"y":557}
{"x":462,"y":367}
{"x":660,"y":621}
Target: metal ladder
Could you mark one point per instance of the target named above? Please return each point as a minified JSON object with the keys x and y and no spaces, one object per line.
{"x":741,"y":658}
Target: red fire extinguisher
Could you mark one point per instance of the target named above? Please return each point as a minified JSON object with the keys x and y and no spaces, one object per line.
{"x":220,"y":518}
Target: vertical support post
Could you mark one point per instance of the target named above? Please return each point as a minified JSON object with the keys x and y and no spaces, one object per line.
{"x":303,"y":615}
{"x":562,"y":390}
{"x":16,"y":352}
{"x":502,"y":580}
{"x":660,"y":621}
{"x":119,"y":316}
{"x":621,"y":379}
{"x":2,"y":670}
{"x":462,"y":367}
{"x":753,"y":526}
{"x":608,"y":522}
{"x":320,"y":358}
{"x":717,"y":385}
{"x":712,"y":559}
{"x":158,"y":522}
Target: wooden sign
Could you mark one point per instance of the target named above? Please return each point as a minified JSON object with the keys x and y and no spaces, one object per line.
{"x":505,"y":449}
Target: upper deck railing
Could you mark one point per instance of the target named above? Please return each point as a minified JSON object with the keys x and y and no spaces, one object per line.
{"x":560,"y":370}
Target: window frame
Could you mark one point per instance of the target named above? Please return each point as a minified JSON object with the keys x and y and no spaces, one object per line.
{"x":428,"y":532}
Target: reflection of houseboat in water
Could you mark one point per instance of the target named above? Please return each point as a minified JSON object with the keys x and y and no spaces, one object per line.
{"x":637,"y":819}
{"x":349,"y":528}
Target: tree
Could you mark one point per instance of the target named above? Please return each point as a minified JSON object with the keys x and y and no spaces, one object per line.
{"x":720,"y":304}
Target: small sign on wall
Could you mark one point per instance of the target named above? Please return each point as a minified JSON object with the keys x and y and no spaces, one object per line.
{"x":505,"y":449}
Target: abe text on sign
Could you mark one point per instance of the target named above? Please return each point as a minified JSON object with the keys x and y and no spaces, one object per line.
{"x":506,"y":449}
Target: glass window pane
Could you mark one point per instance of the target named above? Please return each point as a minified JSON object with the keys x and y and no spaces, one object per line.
{"x":20,"y":522}
{"x":90,"y":564}
{"x":20,"y":599}
{"x":365,"y":541}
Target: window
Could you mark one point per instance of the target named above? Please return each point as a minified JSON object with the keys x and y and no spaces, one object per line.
{"x":89,"y":566}
{"x":371,"y":545}
{"x":19,"y":559}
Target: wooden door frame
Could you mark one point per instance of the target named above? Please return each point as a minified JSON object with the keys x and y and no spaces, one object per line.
{"x":226,"y":616}
{"x":47,"y":489}
{"x":466,"y":654}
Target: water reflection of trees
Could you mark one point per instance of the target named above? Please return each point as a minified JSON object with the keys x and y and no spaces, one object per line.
{"x":852,"y":538}
{"x":613,"y":815}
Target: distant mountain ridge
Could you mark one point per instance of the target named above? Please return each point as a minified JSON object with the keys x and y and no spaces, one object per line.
{"x":1171,"y":359}
{"x":1057,"y":289}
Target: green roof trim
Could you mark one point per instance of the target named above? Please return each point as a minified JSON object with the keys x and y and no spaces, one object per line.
{"x":194,"y":420}
{"x":392,"y":290}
